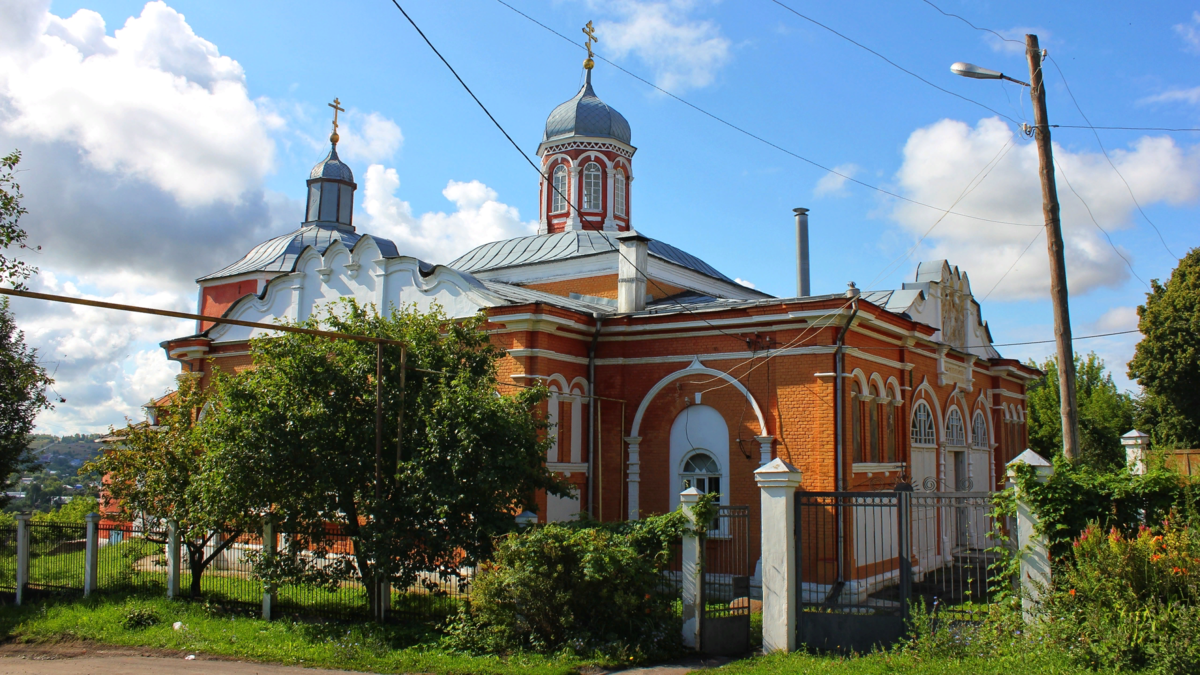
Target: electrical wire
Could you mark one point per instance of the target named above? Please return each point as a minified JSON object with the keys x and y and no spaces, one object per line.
{"x":539,"y":171}
{"x":752,"y":135}
{"x":1110,"y":162}
{"x":1073,"y":339}
{"x":1014,"y":264}
{"x":1097,"y":224}
{"x":986,"y":30}
{"x":894,"y":64}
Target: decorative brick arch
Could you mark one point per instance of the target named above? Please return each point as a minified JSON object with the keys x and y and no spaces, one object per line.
{"x":696,"y":368}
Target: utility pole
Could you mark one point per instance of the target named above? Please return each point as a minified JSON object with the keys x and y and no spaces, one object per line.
{"x":1054,"y":245}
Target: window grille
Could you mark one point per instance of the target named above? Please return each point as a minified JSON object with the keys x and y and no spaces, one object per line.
{"x":979,"y":434}
{"x":591,"y":187}
{"x":558,"y":203}
{"x":619,"y":194}
{"x":955,"y":433}
{"x":923,"y":430}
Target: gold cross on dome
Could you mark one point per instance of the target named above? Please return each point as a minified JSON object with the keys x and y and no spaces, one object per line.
{"x":337,"y":107}
{"x":591,"y":37}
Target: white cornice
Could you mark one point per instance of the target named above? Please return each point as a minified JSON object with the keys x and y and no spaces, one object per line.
{"x":874,"y":358}
{"x":548,"y":354}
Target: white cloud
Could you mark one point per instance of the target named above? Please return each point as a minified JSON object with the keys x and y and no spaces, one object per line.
{"x":1190,"y":32}
{"x":154,"y":101}
{"x":439,"y":237}
{"x":106,"y":364}
{"x":1014,"y":39}
{"x":1191,"y":96}
{"x":379,"y":139}
{"x":747,"y":284}
{"x":831,"y":184}
{"x":1117,"y":319}
{"x":941,"y":158}
{"x":684,"y":52}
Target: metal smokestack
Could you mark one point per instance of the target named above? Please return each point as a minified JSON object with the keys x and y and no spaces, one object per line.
{"x":802,"y":287}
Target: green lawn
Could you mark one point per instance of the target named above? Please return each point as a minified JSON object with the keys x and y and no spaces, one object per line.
{"x":362,"y":646}
{"x":1024,"y":663}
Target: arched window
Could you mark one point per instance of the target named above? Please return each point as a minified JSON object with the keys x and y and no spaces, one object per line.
{"x":619,"y":194}
{"x":702,"y":472}
{"x":856,"y":423}
{"x":979,"y":434}
{"x":890,"y":446}
{"x":956,"y":434}
{"x":874,"y":428}
{"x":924,"y":432}
{"x":558,"y":202}
{"x":591,"y":187}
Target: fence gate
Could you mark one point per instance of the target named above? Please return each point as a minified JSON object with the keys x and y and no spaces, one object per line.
{"x":725,"y":628}
{"x":864,"y":557}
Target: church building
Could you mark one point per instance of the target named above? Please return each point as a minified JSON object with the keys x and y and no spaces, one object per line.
{"x":664,"y":371}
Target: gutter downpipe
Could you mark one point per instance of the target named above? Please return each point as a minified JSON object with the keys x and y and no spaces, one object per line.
{"x":839,"y":445}
{"x":592,"y":414}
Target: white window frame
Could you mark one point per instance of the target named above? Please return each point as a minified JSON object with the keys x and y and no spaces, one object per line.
{"x":923,"y":434}
{"x":979,"y":432}
{"x":558,"y":200}
{"x":619,"y":194}
{"x":956,"y":431}
{"x":593,"y":178}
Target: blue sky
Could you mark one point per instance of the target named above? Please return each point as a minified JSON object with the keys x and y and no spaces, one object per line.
{"x":199,"y":144}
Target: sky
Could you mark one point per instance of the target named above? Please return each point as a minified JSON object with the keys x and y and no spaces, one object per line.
{"x":162,"y":140}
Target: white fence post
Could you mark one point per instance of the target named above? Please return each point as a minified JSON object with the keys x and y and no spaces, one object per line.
{"x":777,"y":483}
{"x":269,"y":550}
{"x":172,"y":559}
{"x":1136,"y":444}
{"x":1031,"y":546}
{"x":91,"y":556}
{"x":693,"y":574}
{"x":22,"y":555}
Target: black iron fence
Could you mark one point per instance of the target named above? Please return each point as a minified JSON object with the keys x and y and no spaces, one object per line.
{"x":131,"y":557}
{"x":56,"y":556}
{"x":8,"y":559}
{"x":865,"y":558}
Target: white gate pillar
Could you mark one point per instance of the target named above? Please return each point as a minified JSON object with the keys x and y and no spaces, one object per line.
{"x":693,"y":573}
{"x":777,"y":483}
{"x":634,"y":477}
{"x":22,"y":555}
{"x":1136,"y":444}
{"x":91,"y":556}
{"x":1031,"y":546}
{"x":172,"y":559}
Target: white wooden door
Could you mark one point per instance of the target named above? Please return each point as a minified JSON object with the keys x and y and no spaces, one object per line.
{"x":924,"y":515}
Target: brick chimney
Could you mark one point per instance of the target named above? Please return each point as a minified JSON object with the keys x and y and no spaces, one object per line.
{"x":631,"y":271}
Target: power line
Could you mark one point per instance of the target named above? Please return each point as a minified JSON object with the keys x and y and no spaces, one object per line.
{"x":1097,"y":224}
{"x":1082,"y":337}
{"x":1014,"y":264}
{"x":979,"y":28}
{"x":754,"y":136}
{"x":539,"y":171}
{"x":1088,"y":126}
{"x":893,"y":63}
{"x":1110,"y":162}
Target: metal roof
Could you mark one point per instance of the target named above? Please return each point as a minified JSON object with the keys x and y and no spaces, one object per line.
{"x":519,"y":295}
{"x":542,"y":248}
{"x":279,"y":254}
{"x":586,"y":115}
{"x":332,"y":167}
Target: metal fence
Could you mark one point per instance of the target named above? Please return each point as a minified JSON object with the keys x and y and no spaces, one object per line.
{"x":56,"y":556}
{"x":866,"y":557}
{"x":131,"y":557}
{"x":8,"y":559}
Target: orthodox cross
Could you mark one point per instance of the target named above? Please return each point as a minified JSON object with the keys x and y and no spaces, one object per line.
{"x":337,"y":107}
{"x":591,"y":37}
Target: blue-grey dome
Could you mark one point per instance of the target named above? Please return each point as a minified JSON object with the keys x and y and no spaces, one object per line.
{"x":332,"y":167}
{"x":586,"y":115}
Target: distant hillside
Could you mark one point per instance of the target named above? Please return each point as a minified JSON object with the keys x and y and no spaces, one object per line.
{"x":79,"y":446}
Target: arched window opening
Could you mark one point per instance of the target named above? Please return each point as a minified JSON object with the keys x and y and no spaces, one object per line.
{"x":856,"y":423}
{"x":874,"y":429}
{"x":924,"y":432}
{"x":702,"y":472}
{"x":890,"y":446}
{"x":591,"y":187}
{"x":979,"y":434}
{"x":955,"y":433}
{"x":558,"y":201}
{"x":619,"y":194}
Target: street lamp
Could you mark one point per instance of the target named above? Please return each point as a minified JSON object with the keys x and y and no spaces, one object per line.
{"x":1054,"y":240}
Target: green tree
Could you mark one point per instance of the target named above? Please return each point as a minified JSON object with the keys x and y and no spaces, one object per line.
{"x":11,"y":270}
{"x":1104,"y":412}
{"x":294,"y":437}
{"x":1167,"y":360}
{"x":22,"y":396}
{"x":155,"y":473}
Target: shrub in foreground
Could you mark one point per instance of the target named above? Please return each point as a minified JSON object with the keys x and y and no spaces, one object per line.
{"x":587,"y":588}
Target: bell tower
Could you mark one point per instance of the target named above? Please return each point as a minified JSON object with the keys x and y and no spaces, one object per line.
{"x":587,"y":163}
{"x":331,"y":186}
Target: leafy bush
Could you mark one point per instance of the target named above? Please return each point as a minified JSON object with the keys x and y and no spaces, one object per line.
{"x":1130,"y":602}
{"x":587,"y":588}
{"x":137,"y":617}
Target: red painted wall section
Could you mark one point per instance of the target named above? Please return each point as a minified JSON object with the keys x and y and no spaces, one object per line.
{"x":214,"y":300}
